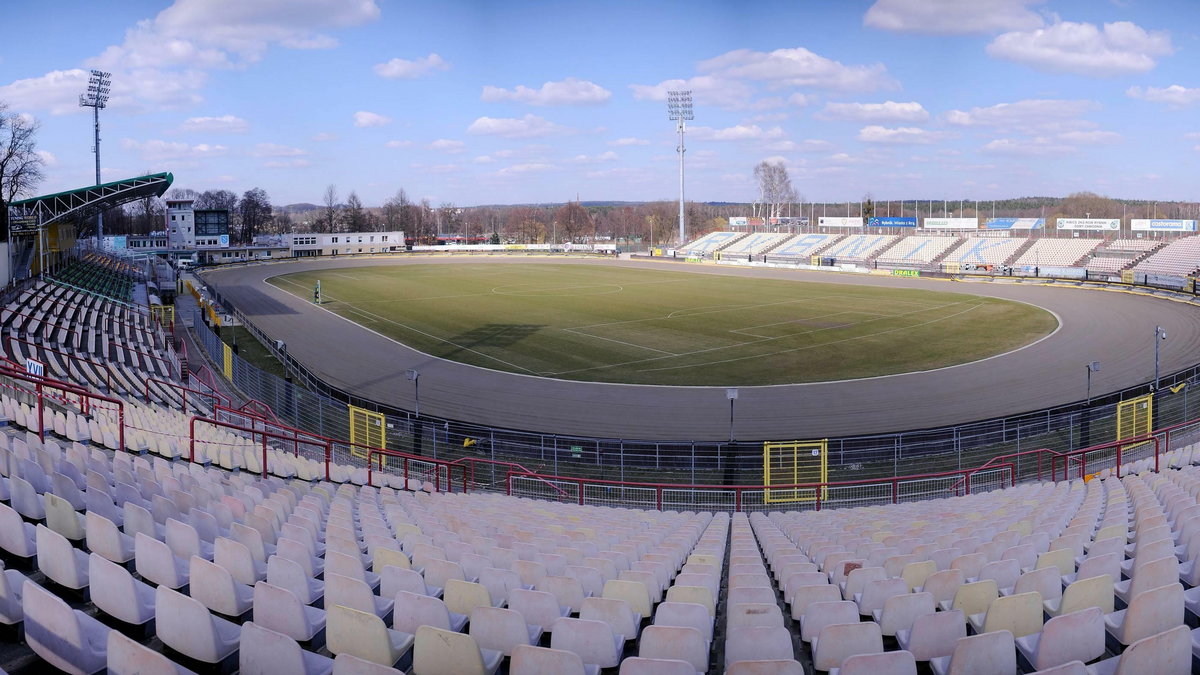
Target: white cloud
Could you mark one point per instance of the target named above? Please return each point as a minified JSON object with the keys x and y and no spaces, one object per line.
{"x":364,"y":119}
{"x":888,"y":111}
{"x":609,"y":156}
{"x":447,"y":145}
{"x":897,"y":135}
{"x":1119,"y":48}
{"x":808,"y":145}
{"x":1040,"y":145}
{"x":706,"y":90}
{"x":48,"y":158}
{"x":398,"y":144}
{"x":276,"y":150}
{"x":799,"y":100}
{"x":529,"y":126}
{"x":157,"y":151}
{"x":483,"y":159}
{"x":324,"y":137}
{"x":797,"y":67}
{"x":1174,"y":95}
{"x":519,"y":169}
{"x":952,"y":17}
{"x":571,"y":91}
{"x":740,"y":132}
{"x":1090,"y":137}
{"x":405,"y":69}
{"x":1024,"y":115}
{"x":227,"y":124}
{"x":57,"y":91}
{"x":295,"y":163}
{"x":630,"y":140}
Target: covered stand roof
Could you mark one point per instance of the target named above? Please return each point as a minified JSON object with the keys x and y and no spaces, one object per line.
{"x":82,"y":202}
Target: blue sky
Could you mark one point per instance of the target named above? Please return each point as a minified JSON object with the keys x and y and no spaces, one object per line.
{"x":506,"y":102}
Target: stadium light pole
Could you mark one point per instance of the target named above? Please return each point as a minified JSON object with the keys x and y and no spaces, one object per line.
{"x":679,"y":109}
{"x":731,"y":394}
{"x":1093,"y":367}
{"x":1160,"y":336}
{"x":96,"y":98}
{"x":415,"y":376}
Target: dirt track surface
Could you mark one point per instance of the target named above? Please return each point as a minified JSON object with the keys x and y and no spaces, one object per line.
{"x":1116,"y":329}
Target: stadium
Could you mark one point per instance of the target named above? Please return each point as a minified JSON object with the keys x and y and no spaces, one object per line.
{"x":767,"y":444}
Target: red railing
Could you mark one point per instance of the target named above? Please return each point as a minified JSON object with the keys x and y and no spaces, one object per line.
{"x":264,"y":434}
{"x":104,"y":368}
{"x":215,"y":397}
{"x":471,"y":461}
{"x":819,"y":489}
{"x":42,"y":383}
{"x":1118,"y":446}
{"x":378,"y":454}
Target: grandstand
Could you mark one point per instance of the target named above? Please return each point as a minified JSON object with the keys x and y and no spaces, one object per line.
{"x":986,"y":250}
{"x":755,"y":244}
{"x":917,"y":250}
{"x":859,"y":247}
{"x":1048,"y":252}
{"x":805,"y":245}
{"x":181,"y":533}
{"x":713,"y":241}
{"x":1180,"y":257}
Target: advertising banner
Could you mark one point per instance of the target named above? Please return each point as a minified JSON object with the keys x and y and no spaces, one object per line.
{"x":833,"y":221}
{"x":1015,"y":223}
{"x":951,"y":224}
{"x":788,"y":220}
{"x":1091,"y":224}
{"x":737,"y":221}
{"x":1162,"y":225}
{"x":893,"y":221}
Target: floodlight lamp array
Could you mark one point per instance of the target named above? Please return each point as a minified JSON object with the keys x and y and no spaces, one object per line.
{"x":679,"y":105}
{"x":99,"y":86}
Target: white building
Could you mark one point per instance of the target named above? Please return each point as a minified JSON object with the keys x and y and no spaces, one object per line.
{"x":190,"y":229}
{"x":343,"y":243}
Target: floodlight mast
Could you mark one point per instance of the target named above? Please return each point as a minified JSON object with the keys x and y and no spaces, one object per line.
{"x":99,"y":85}
{"x":679,"y":109}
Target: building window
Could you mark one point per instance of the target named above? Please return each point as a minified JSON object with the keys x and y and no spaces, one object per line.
{"x":385,"y":237}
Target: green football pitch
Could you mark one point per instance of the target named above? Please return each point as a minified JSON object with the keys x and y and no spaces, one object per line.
{"x":620,"y":324}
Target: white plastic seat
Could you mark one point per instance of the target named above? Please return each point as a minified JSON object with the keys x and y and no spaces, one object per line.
{"x":933,"y":635}
{"x":66,"y":638}
{"x":1019,"y":614}
{"x":462,"y":597}
{"x":289,"y":574}
{"x":443,"y":652}
{"x":538,"y":608}
{"x":12,"y":583}
{"x":1153,"y":574}
{"x":822,"y":614}
{"x":1084,"y":593}
{"x":115,"y":592}
{"x":1078,"y":636}
{"x":1165,"y":653}
{"x":899,"y":611}
{"x":686,"y":614}
{"x":875,"y":593}
{"x":750,"y":643}
{"x":235,"y":557}
{"x":502,"y":629}
{"x":886,"y":663}
{"x":593,"y":641}
{"x":25,"y":500}
{"x":351,"y":566}
{"x":838,"y":641}
{"x":568,"y":591}
{"x":393,"y":579}
{"x":528,"y":660}
{"x":616,"y":613}
{"x":804,"y":596}
{"x":355,"y":593}
{"x":216,"y":589}
{"x":986,"y":654}
{"x":62,"y":518}
{"x":363,"y":634}
{"x":765,"y":667}
{"x":752,"y":614}
{"x":17,"y":537}
{"x":186,"y":625}
{"x":126,"y":657}
{"x":412,"y":610}
{"x":675,"y":642}
{"x":1150,"y":612}
{"x":279,"y":609}
{"x":154,"y":561}
{"x":62,"y":563}
{"x":103,"y":537}
{"x":267,"y":652}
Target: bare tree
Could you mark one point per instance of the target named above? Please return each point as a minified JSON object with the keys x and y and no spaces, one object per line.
{"x":255,"y":209}
{"x":774,"y":189}
{"x":330,"y":216}
{"x":20,"y":164}
{"x":573,"y":222}
{"x":216,"y":200}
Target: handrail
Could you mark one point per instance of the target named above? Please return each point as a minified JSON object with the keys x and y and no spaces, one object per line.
{"x":41,"y":382}
{"x":184,"y":391}
{"x":437,"y":484}
{"x":1120,"y":444}
{"x":501,"y":463}
{"x":105,"y":368}
{"x":253,"y":406}
{"x":819,"y":488}
{"x":1011,"y":455}
{"x":260,"y":432}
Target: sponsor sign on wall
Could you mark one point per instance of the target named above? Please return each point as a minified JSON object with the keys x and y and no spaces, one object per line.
{"x":835,"y":221}
{"x":1162,"y":225}
{"x":788,"y":220}
{"x":1015,"y":223}
{"x":951,"y":224}
{"x":893,"y":221}
{"x":737,"y":221}
{"x":1092,"y":224}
